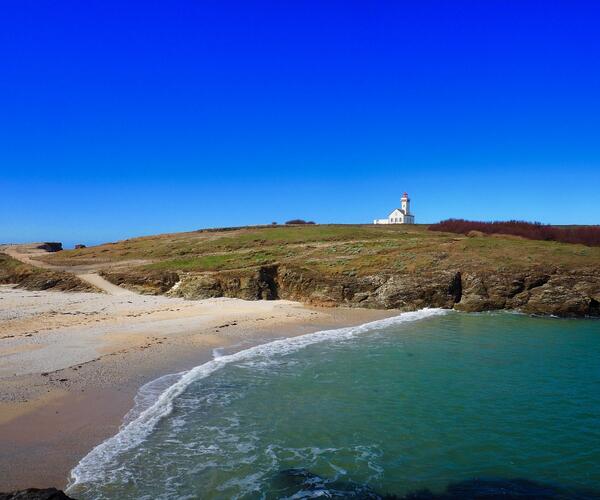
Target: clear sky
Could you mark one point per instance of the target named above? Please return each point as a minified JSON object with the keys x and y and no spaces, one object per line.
{"x":122,"y":118}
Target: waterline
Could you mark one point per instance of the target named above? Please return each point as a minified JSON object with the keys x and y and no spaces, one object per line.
{"x":140,"y":424}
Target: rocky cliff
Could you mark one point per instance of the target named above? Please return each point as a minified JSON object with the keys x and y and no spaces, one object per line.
{"x":548,"y":291}
{"x":374,"y":266}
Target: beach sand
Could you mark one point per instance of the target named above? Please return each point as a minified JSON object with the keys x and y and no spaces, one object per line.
{"x":71,"y":363}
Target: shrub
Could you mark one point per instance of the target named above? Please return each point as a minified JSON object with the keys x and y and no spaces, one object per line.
{"x":299,"y":221}
{"x":585,"y":235}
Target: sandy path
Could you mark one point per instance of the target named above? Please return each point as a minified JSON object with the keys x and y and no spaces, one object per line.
{"x":27,"y":254}
{"x":104,"y":285}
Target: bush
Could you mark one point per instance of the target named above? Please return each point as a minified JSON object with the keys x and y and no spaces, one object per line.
{"x":584,"y":235}
{"x":299,"y":221}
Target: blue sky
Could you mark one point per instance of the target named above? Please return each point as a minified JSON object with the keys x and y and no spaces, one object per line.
{"x":128,"y":118}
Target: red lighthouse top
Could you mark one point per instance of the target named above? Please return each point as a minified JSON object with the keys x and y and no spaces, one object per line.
{"x":405,"y":195}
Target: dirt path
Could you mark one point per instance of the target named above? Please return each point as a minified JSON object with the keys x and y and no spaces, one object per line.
{"x":26,"y":254}
{"x":104,"y":285}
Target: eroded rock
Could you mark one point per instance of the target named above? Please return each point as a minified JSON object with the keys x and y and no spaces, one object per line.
{"x":536,"y":291}
{"x":36,"y":494}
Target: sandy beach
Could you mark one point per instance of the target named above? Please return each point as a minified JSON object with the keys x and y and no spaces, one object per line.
{"x":71,"y":363}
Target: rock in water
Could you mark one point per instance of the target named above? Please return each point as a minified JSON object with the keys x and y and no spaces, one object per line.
{"x":35,"y":494}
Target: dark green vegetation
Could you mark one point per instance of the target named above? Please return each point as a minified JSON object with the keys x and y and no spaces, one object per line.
{"x":13,"y":271}
{"x":403,"y":267}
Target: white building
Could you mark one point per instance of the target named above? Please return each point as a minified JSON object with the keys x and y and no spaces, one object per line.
{"x":400,"y":215}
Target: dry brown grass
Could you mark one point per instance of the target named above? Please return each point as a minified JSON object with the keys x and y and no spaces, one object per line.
{"x":334,"y":249}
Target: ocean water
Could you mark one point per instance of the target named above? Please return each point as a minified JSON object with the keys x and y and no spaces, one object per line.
{"x":415,"y":402}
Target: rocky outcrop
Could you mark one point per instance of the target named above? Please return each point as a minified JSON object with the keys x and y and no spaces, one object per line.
{"x":148,"y":282}
{"x":569,"y":294}
{"x":552,"y":292}
{"x":304,"y":285}
{"x":539,"y":291}
{"x":384,"y":291}
{"x":253,"y":284}
{"x":35,"y":494}
{"x":50,"y":246}
{"x":291,"y":481}
{"x":58,"y":281}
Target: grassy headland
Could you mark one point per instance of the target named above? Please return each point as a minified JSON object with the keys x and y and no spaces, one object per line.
{"x":335,"y":249}
{"x":392,"y":266}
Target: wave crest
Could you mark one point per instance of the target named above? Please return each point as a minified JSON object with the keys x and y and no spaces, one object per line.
{"x":133,"y":432}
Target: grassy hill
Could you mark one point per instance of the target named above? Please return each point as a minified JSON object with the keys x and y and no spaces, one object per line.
{"x":332,"y":249}
{"x":404,"y":267}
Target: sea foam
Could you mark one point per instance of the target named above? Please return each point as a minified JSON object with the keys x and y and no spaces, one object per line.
{"x":140,"y":422}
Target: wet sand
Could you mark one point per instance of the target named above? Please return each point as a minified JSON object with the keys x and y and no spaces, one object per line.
{"x":71,"y":363}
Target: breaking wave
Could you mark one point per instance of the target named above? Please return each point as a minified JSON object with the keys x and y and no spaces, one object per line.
{"x":155,"y":399}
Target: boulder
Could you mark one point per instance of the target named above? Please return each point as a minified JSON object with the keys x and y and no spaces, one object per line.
{"x":35,"y":494}
{"x":50,"y":246}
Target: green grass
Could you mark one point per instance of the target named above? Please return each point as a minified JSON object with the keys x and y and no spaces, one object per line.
{"x":9,"y":265}
{"x":332,"y":249}
{"x":215,"y":262}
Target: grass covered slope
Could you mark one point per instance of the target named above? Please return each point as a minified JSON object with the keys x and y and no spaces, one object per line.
{"x":357,"y":249}
{"x":26,"y":276}
{"x":365,"y":265}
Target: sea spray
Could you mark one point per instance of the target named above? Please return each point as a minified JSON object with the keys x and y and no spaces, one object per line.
{"x":139,"y":424}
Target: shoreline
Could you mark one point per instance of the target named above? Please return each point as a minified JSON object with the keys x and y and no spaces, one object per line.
{"x":50,"y":419}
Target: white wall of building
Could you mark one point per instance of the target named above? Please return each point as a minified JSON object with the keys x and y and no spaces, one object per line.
{"x":399,"y":216}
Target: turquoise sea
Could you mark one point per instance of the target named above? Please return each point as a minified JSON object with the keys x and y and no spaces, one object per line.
{"x":420,"y":401}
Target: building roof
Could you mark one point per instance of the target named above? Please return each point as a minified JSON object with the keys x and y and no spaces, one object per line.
{"x":399,"y":209}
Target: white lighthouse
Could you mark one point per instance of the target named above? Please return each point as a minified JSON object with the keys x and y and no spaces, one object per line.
{"x":405,"y":204}
{"x":400,"y":215}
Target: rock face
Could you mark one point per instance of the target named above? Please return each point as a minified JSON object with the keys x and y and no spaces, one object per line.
{"x":146,"y":282}
{"x":549,"y":291}
{"x":255,"y":284}
{"x":35,"y":494}
{"x":382,"y":291}
{"x":53,"y":280}
{"x":556,"y":292}
{"x":51,"y":246}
